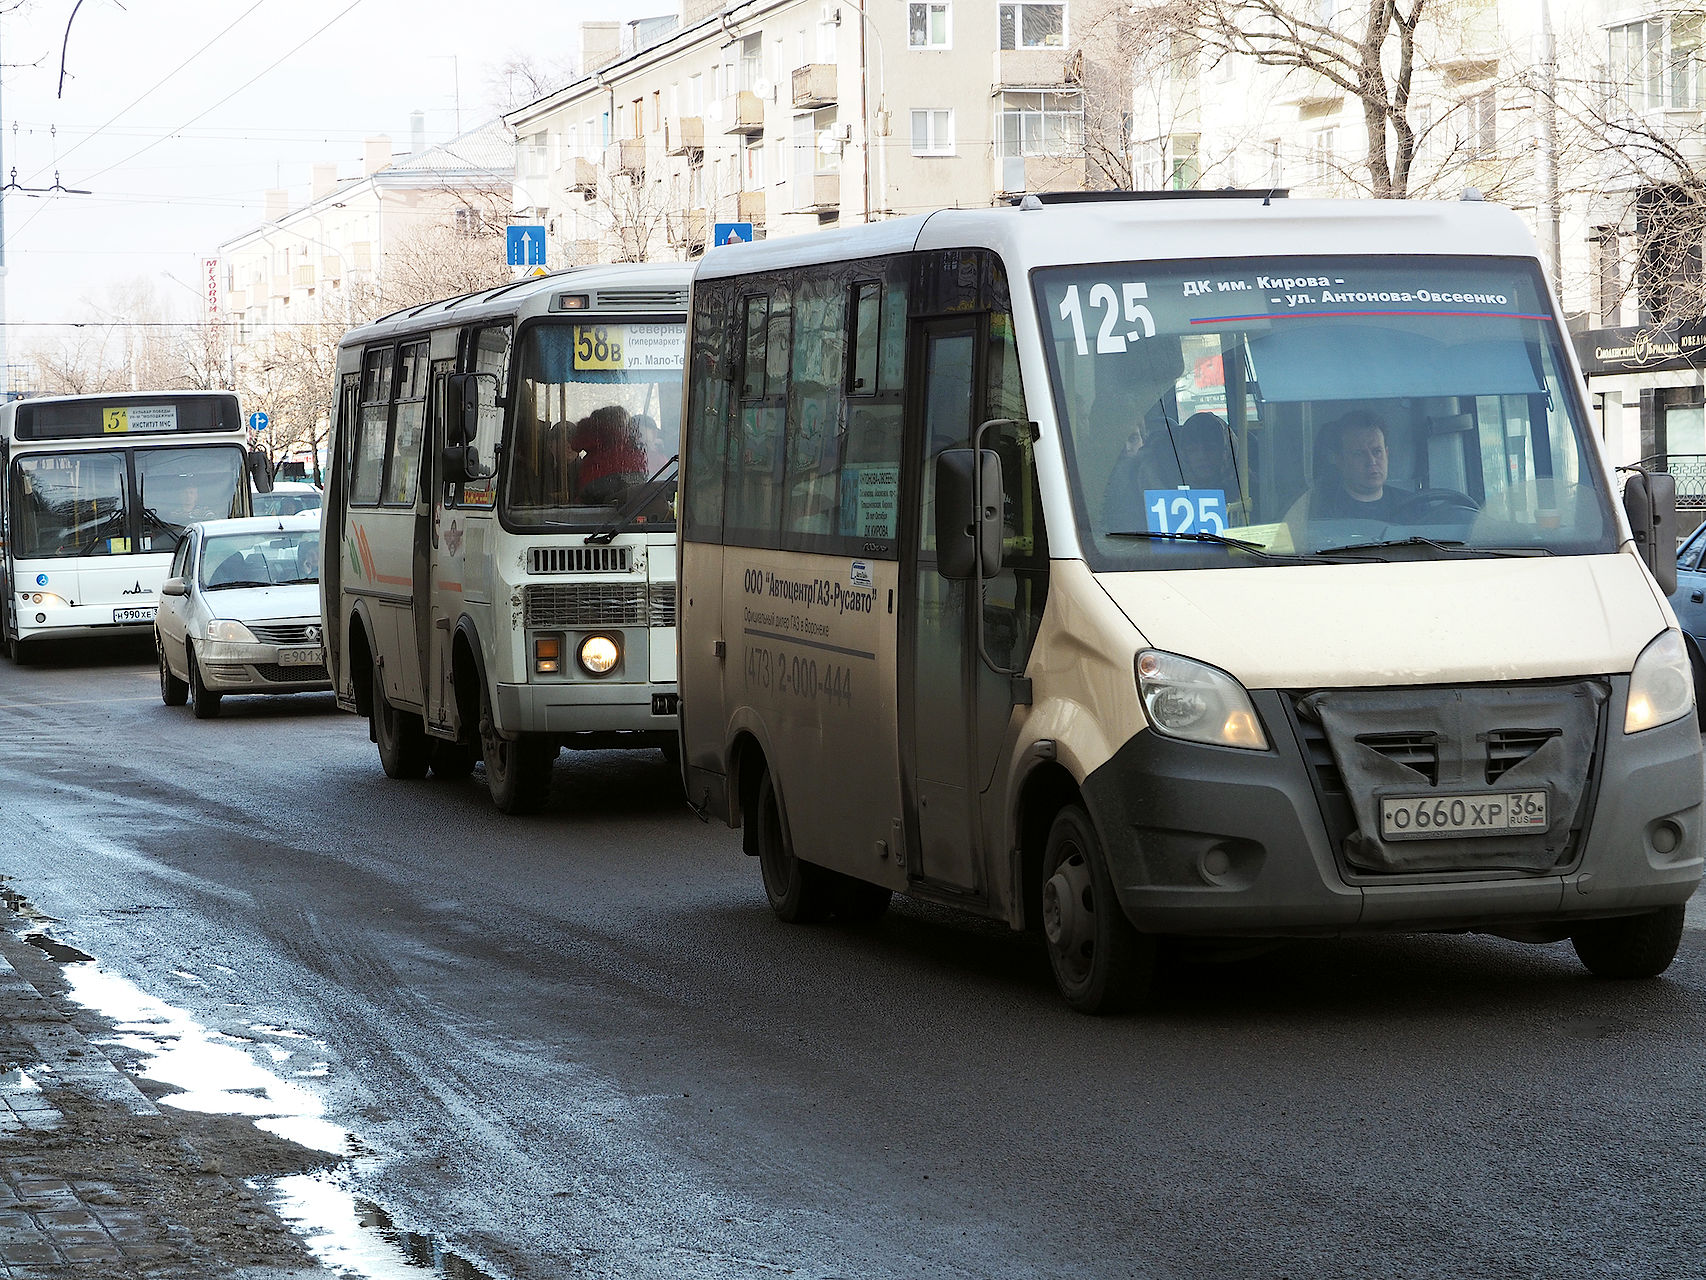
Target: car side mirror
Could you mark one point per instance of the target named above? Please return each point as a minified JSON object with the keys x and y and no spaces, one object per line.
{"x":968,"y":533}
{"x":1649,"y":500}
{"x":175,"y":587}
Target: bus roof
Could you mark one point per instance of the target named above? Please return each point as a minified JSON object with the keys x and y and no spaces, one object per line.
{"x":643,"y":286}
{"x":1065,"y":232}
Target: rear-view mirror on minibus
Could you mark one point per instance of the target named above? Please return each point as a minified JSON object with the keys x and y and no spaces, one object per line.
{"x":1649,"y":500}
{"x":963,"y":527}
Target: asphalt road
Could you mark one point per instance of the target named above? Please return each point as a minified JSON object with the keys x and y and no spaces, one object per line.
{"x":580,"y":1044}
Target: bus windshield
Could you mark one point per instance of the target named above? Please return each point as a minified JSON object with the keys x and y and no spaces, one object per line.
{"x":598,"y":413}
{"x":79,"y":503}
{"x":1262,"y":411}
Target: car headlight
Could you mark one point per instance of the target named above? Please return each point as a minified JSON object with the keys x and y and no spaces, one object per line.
{"x":599,"y":654}
{"x":1661,"y":687}
{"x":1189,"y":700}
{"x":227,"y":629}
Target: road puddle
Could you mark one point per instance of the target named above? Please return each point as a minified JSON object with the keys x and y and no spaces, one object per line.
{"x":220,"y":1074}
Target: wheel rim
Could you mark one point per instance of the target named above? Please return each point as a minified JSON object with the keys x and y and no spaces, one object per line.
{"x":1069,"y":916}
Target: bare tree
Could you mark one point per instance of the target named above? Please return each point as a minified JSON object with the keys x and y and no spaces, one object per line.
{"x":79,"y":363}
{"x":521,"y":78}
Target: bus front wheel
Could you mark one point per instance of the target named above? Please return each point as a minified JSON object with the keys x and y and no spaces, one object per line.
{"x":799,"y":892}
{"x":1101,"y":964}
{"x":1630,"y":946}
{"x":399,"y":735}
{"x":518,"y":770}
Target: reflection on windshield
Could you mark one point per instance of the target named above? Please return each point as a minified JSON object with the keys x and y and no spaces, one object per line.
{"x":1413,"y":406}
{"x":269,"y":558}
{"x":81,"y":504}
{"x":599,"y":411}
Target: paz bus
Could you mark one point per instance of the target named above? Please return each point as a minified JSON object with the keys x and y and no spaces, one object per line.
{"x":499,"y":576}
{"x":96,"y":495}
{"x":1135,"y":570}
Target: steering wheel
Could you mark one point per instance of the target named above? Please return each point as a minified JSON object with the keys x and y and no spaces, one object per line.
{"x":1433,"y":506}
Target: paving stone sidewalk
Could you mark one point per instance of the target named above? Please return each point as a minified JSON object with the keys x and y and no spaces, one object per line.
{"x":95,"y":1180}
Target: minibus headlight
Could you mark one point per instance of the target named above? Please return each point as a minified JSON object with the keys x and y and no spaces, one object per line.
{"x":1186,"y":699}
{"x":599,"y":654}
{"x":229,"y":630}
{"x":1661,"y":687}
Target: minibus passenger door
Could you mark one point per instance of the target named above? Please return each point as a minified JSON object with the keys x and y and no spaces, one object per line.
{"x":433,"y":623}
{"x":939,"y":672}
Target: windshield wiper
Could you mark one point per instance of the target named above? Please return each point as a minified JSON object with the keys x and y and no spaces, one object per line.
{"x":1449,"y":546}
{"x":1217,"y":539}
{"x":241,"y":582}
{"x":103,"y":530}
{"x":644,"y":494}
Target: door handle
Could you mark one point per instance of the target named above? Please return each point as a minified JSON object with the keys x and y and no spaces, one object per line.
{"x":1698,"y":597}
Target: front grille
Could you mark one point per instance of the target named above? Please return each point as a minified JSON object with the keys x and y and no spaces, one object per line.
{"x":296,"y":633}
{"x":661,"y":604}
{"x":648,"y":299}
{"x":290,"y":675}
{"x":580,"y":559}
{"x":1418,"y":752}
{"x":587,"y":604}
{"x":1507,"y":748}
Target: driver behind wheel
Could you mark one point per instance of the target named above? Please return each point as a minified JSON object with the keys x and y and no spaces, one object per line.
{"x":1354,"y":487}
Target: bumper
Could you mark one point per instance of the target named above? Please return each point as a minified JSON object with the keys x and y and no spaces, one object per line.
{"x":1213,"y":841}
{"x":580,"y":707}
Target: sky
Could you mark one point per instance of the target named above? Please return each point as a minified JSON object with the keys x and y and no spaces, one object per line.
{"x":178,"y":115}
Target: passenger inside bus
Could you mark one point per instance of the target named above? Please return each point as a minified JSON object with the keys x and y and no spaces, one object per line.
{"x":608,"y":455}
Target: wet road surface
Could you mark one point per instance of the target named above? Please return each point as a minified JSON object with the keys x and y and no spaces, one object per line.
{"x":580,"y":1044}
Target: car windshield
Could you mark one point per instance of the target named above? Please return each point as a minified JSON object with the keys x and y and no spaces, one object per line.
{"x":279,"y":503}
{"x":113,"y":503}
{"x":1263,"y":411}
{"x":266,"y":558}
{"x":598,"y":413}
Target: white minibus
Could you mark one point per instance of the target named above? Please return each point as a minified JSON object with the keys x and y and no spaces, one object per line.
{"x":1142,"y":569}
{"x":499,"y":577}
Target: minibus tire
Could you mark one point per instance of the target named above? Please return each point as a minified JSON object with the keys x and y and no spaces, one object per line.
{"x":1101,"y":964}
{"x":204,"y":702}
{"x":173,"y":691}
{"x":399,"y":735}
{"x":518,"y":771}
{"x":1630,"y":946}
{"x":799,"y":892}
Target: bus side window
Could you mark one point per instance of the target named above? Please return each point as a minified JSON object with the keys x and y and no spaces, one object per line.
{"x":814,"y":409}
{"x":754,"y":500}
{"x":410,"y":427}
{"x":368,"y":448}
{"x":870,"y":468}
{"x":489,"y":353}
{"x":710,"y":385}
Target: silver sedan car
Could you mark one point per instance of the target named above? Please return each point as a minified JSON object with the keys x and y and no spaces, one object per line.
{"x":240,"y":612}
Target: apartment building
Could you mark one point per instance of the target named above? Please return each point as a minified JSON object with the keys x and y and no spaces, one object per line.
{"x":797,"y":114}
{"x":307,"y":262}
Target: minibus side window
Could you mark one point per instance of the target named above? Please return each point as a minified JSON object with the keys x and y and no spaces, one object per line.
{"x":368,"y":449}
{"x":711,"y":374}
{"x":410,"y":426}
{"x":754,"y":498}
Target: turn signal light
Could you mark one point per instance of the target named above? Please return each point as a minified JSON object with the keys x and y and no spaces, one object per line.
{"x":548,"y":655}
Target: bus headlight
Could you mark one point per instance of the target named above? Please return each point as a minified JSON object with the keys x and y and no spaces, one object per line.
{"x":230,"y":630}
{"x":599,"y":655}
{"x":1189,"y":700}
{"x":1661,"y":687}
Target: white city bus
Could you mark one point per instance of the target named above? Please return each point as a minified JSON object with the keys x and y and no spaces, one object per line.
{"x":97,"y":491}
{"x":499,"y":577}
{"x":1135,"y":569}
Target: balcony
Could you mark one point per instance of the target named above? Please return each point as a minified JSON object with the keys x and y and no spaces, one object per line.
{"x":584,"y":251}
{"x":684,"y":136}
{"x":331,"y":270}
{"x":236,"y":300}
{"x":629,"y":156}
{"x":743,"y":113}
{"x":814,"y":85}
{"x":821,"y":194}
{"x":749,"y":207}
{"x":582,"y":175}
{"x":1030,"y":68}
{"x":1016,"y":174}
{"x":303,"y":275}
{"x":685,"y":228}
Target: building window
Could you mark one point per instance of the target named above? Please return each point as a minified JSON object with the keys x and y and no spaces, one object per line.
{"x":927,"y":26}
{"x":1479,"y":133}
{"x":534,"y":154}
{"x":1656,"y":63}
{"x":1040,"y":124}
{"x":1186,"y":169}
{"x":932,"y":133}
{"x":1032,"y":24}
{"x":1607,"y":276}
{"x":1321,"y":165}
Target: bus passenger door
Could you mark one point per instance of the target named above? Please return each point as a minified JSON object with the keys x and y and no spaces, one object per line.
{"x":940,"y":720}
{"x":440,"y":583}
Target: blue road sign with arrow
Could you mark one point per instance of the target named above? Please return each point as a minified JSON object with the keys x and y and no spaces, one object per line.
{"x":526,"y":245}
{"x":257,"y":422}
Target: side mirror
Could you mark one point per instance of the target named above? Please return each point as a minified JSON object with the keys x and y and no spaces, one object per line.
{"x":968,"y":532}
{"x":459,"y":463}
{"x":463,"y":408}
{"x":1649,"y":500}
{"x":175,"y":587}
{"x":260,"y":470}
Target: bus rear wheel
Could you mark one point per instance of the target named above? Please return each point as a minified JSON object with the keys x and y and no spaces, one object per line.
{"x":799,"y":892}
{"x":399,"y":735}
{"x":518,"y":770}
{"x":1101,"y":964}
{"x":1630,"y":946}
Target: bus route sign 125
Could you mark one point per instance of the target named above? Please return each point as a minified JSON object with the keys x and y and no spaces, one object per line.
{"x":1185,"y":510}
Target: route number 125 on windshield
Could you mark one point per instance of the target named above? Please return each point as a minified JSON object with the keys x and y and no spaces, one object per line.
{"x":1110,"y":338}
{"x":1185,"y":510}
